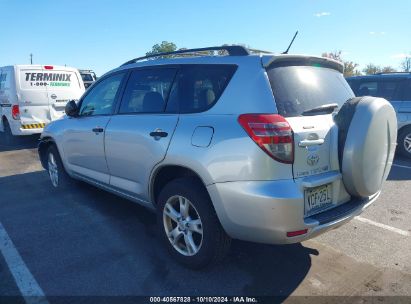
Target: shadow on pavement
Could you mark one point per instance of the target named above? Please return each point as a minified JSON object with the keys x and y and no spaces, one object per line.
{"x":19,"y":142}
{"x":87,"y":242}
{"x":401,"y":169}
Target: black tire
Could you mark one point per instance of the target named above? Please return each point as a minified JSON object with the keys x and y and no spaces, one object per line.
{"x":215,"y":242}
{"x":404,"y":140}
{"x":9,"y":138}
{"x":64,"y":181}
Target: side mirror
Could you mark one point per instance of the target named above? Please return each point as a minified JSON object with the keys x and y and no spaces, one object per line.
{"x":71,"y":109}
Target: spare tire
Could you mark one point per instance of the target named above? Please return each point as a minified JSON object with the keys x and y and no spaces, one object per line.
{"x":367,"y":139}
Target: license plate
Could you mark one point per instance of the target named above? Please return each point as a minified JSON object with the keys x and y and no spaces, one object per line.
{"x":317,"y":199}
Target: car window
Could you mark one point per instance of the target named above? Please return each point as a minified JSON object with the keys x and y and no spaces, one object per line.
{"x":101,"y":98}
{"x":388,"y":89}
{"x":198,"y":87}
{"x":3,"y":77}
{"x":367,"y":89}
{"x":300,"y":88}
{"x":147,"y":90}
{"x":407,"y":91}
{"x":87,"y":77}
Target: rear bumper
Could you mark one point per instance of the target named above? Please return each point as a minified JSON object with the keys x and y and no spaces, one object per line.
{"x":22,"y":131}
{"x":264,"y":211}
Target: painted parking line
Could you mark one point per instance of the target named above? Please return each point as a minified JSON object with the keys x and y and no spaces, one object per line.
{"x":401,"y":166}
{"x":386,"y":227}
{"x":29,"y":288}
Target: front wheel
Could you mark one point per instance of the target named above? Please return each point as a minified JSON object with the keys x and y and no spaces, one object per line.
{"x":189,"y":225}
{"x":404,"y":142}
{"x":58,"y":175}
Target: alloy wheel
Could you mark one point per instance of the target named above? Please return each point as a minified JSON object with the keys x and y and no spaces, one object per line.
{"x":407,"y":143}
{"x":53,"y":170}
{"x":183,"y":226}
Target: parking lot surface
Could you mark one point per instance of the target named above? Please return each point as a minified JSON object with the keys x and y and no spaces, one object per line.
{"x":87,"y":242}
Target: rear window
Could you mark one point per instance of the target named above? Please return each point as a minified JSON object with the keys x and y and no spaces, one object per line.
{"x":198,"y":87}
{"x":300,"y":88}
{"x":41,"y":79}
{"x":87,"y":77}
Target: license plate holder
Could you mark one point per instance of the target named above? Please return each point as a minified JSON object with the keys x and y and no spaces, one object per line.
{"x":318,"y":199}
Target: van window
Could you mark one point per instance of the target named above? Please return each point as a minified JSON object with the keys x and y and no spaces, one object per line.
{"x":101,"y":98}
{"x":198,"y":87}
{"x":147,"y":90}
{"x":55,"y":79}
{"x":300,"y":88}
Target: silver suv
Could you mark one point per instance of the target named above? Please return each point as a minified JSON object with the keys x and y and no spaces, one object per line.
{"x":264,"y":148}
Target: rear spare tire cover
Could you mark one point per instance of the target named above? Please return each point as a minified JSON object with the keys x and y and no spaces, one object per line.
{"x":369,"y":146}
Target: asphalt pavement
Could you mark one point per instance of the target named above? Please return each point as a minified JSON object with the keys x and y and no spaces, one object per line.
{"x":87,"y":242}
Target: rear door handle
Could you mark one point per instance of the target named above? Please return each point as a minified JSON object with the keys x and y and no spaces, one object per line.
{"x":157,"y":134}
{"x":98,"y":130}
{"x":307,"y":142}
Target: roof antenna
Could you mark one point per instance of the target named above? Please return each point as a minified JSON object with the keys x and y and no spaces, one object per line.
{"x":286,"y":52}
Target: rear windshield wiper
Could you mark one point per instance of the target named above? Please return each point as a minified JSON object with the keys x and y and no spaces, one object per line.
{"x":327,"y":108}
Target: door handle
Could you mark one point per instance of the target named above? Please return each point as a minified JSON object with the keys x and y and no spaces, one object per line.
{"x":98,"y":130}
{"x":157,"y":134}
{"x":307,"y":142}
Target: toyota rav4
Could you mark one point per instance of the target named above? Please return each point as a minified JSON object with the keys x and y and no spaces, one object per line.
{"x":225,"y":144}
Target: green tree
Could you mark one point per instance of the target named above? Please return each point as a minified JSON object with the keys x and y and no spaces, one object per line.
{"x":371,"y":69}
{"x":164,"y":47}
{"x":350,"y":67}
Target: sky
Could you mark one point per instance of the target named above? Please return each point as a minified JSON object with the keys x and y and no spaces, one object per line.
{"x":103,"y":34}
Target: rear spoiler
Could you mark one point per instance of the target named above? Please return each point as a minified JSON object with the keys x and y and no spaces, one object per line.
{"x":287,"y":60}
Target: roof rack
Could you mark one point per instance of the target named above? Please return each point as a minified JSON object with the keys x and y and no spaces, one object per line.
{"x":260,"y":51}
{"x":232,"y":50}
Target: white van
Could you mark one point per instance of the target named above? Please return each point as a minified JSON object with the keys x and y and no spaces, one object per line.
{"x":33,"y":95}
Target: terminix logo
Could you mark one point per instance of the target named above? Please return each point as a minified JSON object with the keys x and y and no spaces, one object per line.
{"x":47,"y":77}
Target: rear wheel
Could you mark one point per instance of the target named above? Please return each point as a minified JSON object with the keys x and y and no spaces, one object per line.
{"x":9,"y":138}
{"x":404,"y":142}
{"x":189,"y":226}
{"x":58,"y":175}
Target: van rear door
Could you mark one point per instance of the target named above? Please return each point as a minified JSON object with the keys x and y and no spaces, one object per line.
{"x":32,"y":95}
{"x":62,"y":84}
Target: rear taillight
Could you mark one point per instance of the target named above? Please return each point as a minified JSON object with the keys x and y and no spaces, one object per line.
{"x":15,"y":112}
{"x":272,"y":133}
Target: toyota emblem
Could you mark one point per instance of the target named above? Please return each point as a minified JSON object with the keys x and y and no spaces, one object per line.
{"x":313,"y":159}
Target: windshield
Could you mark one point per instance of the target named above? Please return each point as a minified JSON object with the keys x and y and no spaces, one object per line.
{"x":300,"y":88}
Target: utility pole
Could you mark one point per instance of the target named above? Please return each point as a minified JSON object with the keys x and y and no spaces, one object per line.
{"x":31,"y":58}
